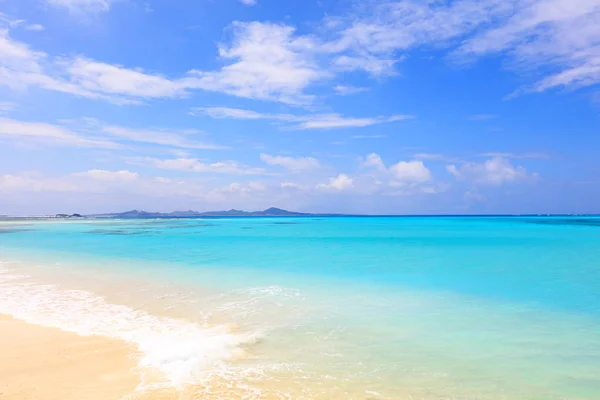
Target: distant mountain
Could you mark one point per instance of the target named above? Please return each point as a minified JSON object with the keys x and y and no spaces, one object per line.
{"x":269,"y":212}
{"x":279,"y":212}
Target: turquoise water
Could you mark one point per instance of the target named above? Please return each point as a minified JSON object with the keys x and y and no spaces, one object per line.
{"x":369,"y":307}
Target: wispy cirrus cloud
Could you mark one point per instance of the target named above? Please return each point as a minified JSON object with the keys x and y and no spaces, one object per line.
{"x":562,"y":34}
{"x":345,"y":90}
{"x":300,"y":122}
{"x":379,"y":33}
{"x":95,"y":134}
{"x":195,"y":165}
{"x":163,"y":137}
{"x":7,"y":106}
{"x":291,"y":163}
{"x":49,"y":134}
{"x":7,"y":22}
{"x":332,"y":121}
{"x":35,"y":27}
{"x":559,"y":36}
{"x":22,"y":67}
{"x":83,"y":6}
{"x":109,"y":176}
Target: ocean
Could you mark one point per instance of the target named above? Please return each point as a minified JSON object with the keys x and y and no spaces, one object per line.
{"x":419,"y":308}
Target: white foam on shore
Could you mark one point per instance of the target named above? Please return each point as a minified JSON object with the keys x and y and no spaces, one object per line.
{"x":183,"y":353}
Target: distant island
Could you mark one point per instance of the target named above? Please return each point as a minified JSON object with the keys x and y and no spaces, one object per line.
{"x":269,"y":212}
{"x":76,"y":215}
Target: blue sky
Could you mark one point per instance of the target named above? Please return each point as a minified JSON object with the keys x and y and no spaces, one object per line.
{"x":377,"y":106}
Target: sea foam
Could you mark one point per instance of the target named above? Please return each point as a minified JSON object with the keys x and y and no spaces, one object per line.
{"x":182,"y":352}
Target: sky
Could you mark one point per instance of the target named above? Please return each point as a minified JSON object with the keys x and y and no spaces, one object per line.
{"x":371,"y":106}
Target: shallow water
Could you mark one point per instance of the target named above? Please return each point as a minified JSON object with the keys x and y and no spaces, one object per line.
{"x":382,"y":307}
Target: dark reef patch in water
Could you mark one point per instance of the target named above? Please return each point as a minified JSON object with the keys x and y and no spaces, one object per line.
{"x":566,"y":221}
{"x":120,"y":232}
{"x":13,"y":230}
{"x":285,"y":223}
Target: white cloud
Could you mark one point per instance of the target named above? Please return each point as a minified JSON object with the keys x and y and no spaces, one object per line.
{"x":249,"y":2}
{"x":332,"y":121}
{"x":44,"y":133}
{"x":563,"y":34}
{"x":257,"y":186}
{"x":560,"y":36}
{"x":410,"y":171}
{"x":268,"y":63}
{"x":98,"y":77}
{"x":234,"y":113}
{"x":372,"y":65}
{"x":124,"y":189}
{"x":9,"y":22}
{"x":7,"y":106}
{"x":374,"y":160}
{"x":373,"y":37}
{"x":101,"y":181}
{"x":265,"y":61}
{"x":109,"y":176}
{"x":180,"y":153}
{"x":300,"y":122}
{"x":404,"y":178}
{"x":10,"y":183}
{"x":495,"y":171}
{"x":17,"y":57}
{"x":89,"y":132}
{"x":161,"y":137}
{"x":35,"y":27}
{"x":344,"y":90}
{"x":340,"y":182}
{"x":21,"y":67}
{"x":405,"y":171}
{"x":292,"y":185}
{"x":83,"y":6}
{"x":429,"y":156}
{"x":196,"y":165}
{"x":291,"y":163}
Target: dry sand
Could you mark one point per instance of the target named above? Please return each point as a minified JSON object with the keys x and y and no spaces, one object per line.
{"x":47,"y":363}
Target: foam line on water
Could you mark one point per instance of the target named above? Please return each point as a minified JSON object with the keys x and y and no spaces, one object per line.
{"x":182,"y":352}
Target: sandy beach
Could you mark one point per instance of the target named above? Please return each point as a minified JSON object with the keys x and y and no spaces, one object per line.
{"x":43,"y":363}
{"x":47,"y":363}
